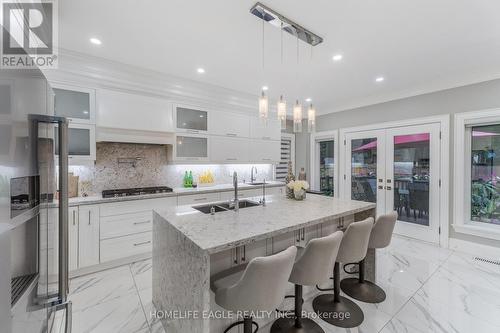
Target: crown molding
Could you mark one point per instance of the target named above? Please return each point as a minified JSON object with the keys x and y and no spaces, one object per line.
{"x":95,"y":72}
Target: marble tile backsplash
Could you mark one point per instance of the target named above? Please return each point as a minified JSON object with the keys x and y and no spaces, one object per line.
{"x":114,"y":168}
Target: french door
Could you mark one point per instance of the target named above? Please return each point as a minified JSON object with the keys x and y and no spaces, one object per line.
{"x":398,"y":169}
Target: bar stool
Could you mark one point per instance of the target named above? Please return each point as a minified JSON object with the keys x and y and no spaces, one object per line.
{"x":260,"y":286}
{"x":361,"y":289}
{"x":335,"y":309}
{"x":313,"y":266}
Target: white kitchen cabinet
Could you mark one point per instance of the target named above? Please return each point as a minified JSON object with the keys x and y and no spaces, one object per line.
{"x":263,"y":131}
{"x":229,"y":149}
{"x":191,"y":119}
{"x":73,"y":238}
{"x":190,"y":147}
{"x":275,"y":190}
{"x":126,"y":224}
{"x":136,"y":206}
{"x":194,"y":199}
{"x":126,"y":246}
{"x":265,"y":151}
{"x":88,"y":235}
{"x":229,"y":124}
{"x":134,"y":112}
{"x":75,"y":103}
{"x":244,"y":192}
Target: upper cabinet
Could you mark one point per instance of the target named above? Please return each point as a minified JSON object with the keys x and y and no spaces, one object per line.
{"x":269,"y":131}
{"x":127,"y":111}
{"x":75,"y":103}
{"x":229,"y":124}
{"x":191,"y":120}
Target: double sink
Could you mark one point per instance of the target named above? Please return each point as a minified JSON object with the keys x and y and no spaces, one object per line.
{"x":224,"y":206}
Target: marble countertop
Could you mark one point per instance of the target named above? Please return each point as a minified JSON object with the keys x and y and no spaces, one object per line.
{"x":226,"y":230}
{"x":91,"y":200}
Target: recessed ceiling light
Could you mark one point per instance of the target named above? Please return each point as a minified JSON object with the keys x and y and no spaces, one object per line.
{"x":379,"y":79}
{"x":95,"y":41}
{"x":265,"y":88}
{"x":309,"y":99}
{"x":200,"y":70}
{"x":337,"y":57}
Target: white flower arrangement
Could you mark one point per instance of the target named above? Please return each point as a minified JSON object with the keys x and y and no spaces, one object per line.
{"x":298,"y":185}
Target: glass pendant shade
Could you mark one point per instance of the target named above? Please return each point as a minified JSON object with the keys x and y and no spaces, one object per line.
{"x":311,"y":119}
{"x":282,"y":112}
{"x":263,"y":107}
{"x":297,"y":117}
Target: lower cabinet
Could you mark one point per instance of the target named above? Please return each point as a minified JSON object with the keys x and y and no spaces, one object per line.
{"x":126,"y":246}
{"x":88,"y":235}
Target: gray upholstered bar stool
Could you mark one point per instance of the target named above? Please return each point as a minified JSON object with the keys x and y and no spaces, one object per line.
{"x":361,"y":289}
{"x":260,"y":286}
{"x":335,"y":309}
{"x":313,"y":266}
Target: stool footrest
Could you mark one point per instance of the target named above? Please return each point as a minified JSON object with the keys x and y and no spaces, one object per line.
{"x":289,"y":311}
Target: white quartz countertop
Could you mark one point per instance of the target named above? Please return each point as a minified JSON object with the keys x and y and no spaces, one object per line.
{"x":91,"y":200}
{"x":229,"y":229}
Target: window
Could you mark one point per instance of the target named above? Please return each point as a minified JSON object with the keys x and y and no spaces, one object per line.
{"x":477,"y":173}
{"x":287,"y":155}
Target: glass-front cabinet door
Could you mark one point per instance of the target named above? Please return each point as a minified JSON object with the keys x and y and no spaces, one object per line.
{"x":326,"y":150}
{"x":75,"y":103}
{"x":81,"y":142}
{"x":191,"y":120}
{"x":191,"y":148}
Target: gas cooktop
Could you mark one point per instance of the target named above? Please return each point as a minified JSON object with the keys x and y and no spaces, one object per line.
{"x":135,"y":191}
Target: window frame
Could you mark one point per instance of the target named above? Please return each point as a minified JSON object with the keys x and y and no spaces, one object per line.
{"x":462,"y":173}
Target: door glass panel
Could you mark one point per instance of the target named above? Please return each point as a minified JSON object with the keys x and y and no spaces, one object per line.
{"x":191,"y":119}
{"x":485,"y":173}
{"x":188,"y":146}
{"x":78,"y":141}
{"x":72,"y":104}
{"x":364,"y":169}
{"x":411,"y":177}
{"x":326,"y":167}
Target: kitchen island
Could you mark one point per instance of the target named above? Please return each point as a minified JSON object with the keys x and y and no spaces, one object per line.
{"x":190,"y":246}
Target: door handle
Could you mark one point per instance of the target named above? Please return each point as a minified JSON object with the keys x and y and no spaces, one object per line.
{"x":89,"y":217}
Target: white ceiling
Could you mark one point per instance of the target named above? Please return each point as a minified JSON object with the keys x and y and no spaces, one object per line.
{"x":418,"y":46}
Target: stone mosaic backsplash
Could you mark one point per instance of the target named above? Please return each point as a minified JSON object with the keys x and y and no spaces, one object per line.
{"x":125,"y":165}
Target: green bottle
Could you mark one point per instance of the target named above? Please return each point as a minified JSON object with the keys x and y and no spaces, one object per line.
{"x":185,"y":180}
{"x":190,"y":179}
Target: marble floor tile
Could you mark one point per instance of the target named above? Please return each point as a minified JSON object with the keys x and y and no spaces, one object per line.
{"x":122,"y":314}
{"x":90,"y":290}
{"x":142,"y":274}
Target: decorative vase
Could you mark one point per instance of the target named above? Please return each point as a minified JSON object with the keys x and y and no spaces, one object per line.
{"x":300,"y":195}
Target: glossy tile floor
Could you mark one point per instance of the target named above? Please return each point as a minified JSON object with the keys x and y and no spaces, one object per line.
{"x":429,"y":289}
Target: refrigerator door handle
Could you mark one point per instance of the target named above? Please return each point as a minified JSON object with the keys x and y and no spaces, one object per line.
{"x":63,"y":211}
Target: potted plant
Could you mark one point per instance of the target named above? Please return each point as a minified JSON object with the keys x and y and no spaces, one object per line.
{"x":299,"y":188}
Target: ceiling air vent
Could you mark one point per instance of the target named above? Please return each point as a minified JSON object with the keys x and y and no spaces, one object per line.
{"x":488,"y":261}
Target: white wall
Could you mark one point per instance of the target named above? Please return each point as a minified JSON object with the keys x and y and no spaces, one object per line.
{"x":478,"y":96}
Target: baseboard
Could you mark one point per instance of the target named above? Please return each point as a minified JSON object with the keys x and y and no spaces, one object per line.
{"x":109,"y":265}
{"x":480,"y":250}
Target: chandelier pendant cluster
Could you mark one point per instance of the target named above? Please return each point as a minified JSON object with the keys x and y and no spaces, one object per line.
{"x":274,"y":18}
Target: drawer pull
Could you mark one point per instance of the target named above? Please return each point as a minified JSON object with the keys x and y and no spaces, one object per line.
{"x":193,"y":131}
{"x":231,"y":134}
{"x":199,"y":199}
{"x":231,"y":159}
{"x":266,"y":159}
{"x":266,"y":137}
{"x":143,"y":222}
{"x":142,"y":243}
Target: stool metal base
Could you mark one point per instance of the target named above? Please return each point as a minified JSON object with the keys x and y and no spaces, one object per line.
{"x":344,"y":313}
{"x":247,"y":325}
{"x":365,"y":291}
{"x":287,"y":325}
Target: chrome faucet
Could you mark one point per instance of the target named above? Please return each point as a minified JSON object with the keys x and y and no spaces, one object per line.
{"x":236,"y":202}
{"x":252,"y":177}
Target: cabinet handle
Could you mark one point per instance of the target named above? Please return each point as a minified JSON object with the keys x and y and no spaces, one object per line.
{"x":193,"y":131}
{"x":266,"y":159}
{"x":243,"y":258}
{"x":192,"y":158}
{"x":304,"y":234}
{"x":89,"y":217}
{"x":266,"y":137}
{"x":143,"y":222}
{"x":199,"y":199}
{"x":142,"y":243}
{"x":231,"y":134}
{"x":231,"y":159}
{"x":74,"y":218}
{"x":297,"y":233}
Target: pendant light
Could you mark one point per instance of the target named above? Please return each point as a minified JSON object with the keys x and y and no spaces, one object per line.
{"x":263,"y":107}
{"x":282,"y":112}
{"x":311,"y":119}
{"x":297,"y":117}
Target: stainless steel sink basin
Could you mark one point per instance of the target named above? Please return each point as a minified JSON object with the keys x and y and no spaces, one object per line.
{"x":224,"y":206}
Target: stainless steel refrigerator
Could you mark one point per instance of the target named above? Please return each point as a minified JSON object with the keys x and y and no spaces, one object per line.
{"x":33,"y":207}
